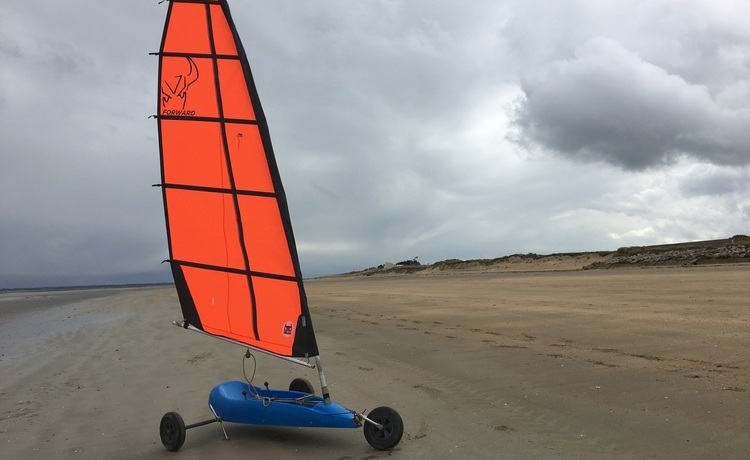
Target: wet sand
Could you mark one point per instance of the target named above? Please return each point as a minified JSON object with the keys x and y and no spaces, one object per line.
{"x":642,"y":363}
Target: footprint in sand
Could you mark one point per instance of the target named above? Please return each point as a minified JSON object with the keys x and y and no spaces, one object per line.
{"x":201,"y":357}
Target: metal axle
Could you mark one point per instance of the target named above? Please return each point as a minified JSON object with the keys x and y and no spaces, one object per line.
{"x":210,"y":421}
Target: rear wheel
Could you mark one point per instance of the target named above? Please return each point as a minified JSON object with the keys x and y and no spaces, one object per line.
{"x":390,"y":434}
{"x":302,"y":385}
{"x":172,"y":431}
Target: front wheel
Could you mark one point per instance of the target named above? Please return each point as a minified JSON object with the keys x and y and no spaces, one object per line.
{"x":172,"y":431}
{"x":390,"y":434}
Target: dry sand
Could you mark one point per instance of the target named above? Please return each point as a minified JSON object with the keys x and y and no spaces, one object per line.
{"x":649,"y":363}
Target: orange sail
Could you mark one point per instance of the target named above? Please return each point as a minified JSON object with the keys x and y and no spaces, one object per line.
{"x":231,"y":245}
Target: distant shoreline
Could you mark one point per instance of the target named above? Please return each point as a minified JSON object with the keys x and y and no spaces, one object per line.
{"x":83,"y":287}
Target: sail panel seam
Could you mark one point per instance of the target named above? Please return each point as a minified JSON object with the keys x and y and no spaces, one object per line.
{"x":228,"y":158}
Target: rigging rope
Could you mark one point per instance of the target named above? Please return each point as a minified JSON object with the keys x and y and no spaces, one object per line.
{"x":250,"y":380}
{"x":265,"y":399}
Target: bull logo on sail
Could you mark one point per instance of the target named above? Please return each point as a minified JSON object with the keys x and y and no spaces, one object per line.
{"x":175,"y":86}
{"x":288,"y":329}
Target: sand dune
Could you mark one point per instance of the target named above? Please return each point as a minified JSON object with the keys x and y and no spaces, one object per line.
{"x":649,"y":363}
{"x":734,"y":250}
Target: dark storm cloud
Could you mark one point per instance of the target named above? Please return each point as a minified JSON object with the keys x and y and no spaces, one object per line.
{"x":606,"y":103}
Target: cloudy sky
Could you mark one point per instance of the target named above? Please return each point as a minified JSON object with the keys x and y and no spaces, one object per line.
{"x":438,"y":129}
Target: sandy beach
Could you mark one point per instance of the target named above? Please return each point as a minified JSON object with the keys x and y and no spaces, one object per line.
{"x":596,"y":364}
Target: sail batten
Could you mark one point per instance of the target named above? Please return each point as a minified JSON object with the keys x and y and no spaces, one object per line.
{"x":187,"y":117}
{"x":231,"y":244}
{"x":229,"y":57}
{"x":199,"y":188}
{"x":237,"y":271}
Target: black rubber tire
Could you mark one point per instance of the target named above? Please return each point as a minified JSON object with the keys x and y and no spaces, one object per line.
{"x":172,"y":431}
{"x":302,"y":385}
{"x":390,"y":435}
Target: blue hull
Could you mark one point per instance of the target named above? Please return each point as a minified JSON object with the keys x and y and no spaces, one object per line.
{"x":276,"y":407}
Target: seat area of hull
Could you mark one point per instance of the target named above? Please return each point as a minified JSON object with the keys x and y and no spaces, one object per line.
{"x":238,"y":402}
